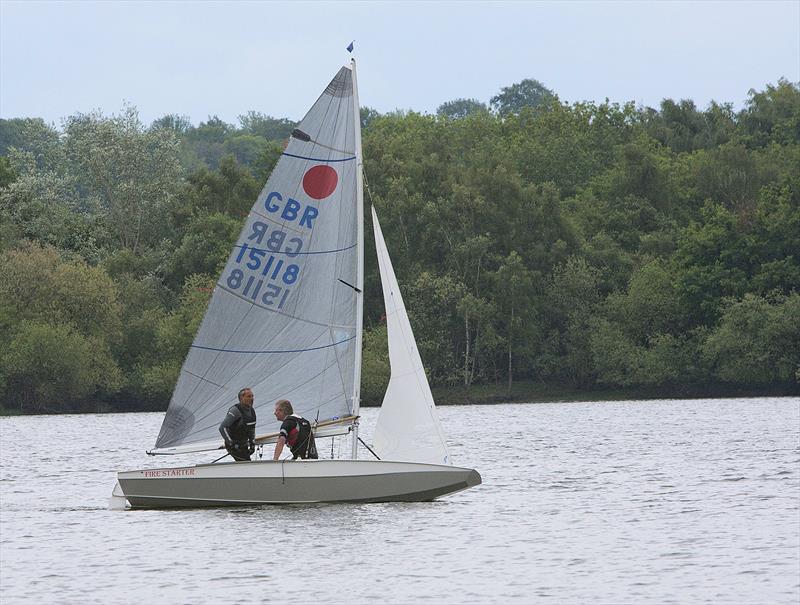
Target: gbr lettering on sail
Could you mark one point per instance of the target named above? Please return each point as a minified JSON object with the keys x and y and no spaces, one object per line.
{"x":268,"y":263}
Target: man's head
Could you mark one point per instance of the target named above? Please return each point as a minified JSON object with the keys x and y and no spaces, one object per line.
{"x":283,"y":409}
{"x":246,"y":397}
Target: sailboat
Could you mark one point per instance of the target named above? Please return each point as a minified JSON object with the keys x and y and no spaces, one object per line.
{"x":285,"y":320}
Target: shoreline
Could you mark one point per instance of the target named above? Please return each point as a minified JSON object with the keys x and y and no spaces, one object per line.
{"x":522,"y":392}
{"x":536,"y":392}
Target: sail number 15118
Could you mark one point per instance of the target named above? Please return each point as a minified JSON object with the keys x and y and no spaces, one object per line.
{"x":253,"y":287}
{"x":268,"y":268}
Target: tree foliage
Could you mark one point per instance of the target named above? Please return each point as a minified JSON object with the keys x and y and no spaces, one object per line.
{"x":460,"y":108}
{"x":585,"y":245}
{"x":129,"y":172}
{"x":757,"y":340}
{"x":527,"y":93}
{"x":60,"y":320}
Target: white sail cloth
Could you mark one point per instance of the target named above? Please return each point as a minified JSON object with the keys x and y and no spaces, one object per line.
{"x":408,"y":427}
{"x":283,"y":318}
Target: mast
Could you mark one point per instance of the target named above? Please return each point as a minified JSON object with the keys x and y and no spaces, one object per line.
{"x":360,"y":256}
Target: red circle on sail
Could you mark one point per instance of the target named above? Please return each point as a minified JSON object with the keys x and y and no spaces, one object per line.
{"x":320,"y":181}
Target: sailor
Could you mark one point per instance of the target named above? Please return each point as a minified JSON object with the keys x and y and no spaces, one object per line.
{"x":295,"y":431}
{"x":238,"y":428}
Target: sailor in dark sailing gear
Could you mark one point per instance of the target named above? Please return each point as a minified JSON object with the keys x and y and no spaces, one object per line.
{"x":238,"y":428}
{"x":295,"y":431}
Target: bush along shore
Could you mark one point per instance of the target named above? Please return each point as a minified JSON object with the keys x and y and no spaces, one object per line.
{"x":603,"y":250}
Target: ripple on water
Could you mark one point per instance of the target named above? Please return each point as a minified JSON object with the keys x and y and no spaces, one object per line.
{"x":635,"y":502}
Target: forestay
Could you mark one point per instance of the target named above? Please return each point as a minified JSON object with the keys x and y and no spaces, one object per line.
{"x":283,"y":318}
{"x":408,"y":427}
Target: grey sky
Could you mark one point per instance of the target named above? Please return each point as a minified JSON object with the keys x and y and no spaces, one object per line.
{"x":225,"y":58}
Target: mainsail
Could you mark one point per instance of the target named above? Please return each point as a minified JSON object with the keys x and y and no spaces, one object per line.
{"x":408,"y":427}
{"x":284,"y":318}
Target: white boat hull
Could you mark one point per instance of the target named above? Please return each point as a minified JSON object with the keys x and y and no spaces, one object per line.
{"x":292,"y":482}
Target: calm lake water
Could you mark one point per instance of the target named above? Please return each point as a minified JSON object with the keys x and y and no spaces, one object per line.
{"x":625,"y":502}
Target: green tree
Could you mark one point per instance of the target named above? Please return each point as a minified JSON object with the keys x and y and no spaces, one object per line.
{"x":144,"y":302}
{"x":131,"y":172}
{"x":650,"y":306}
{"x":47,"y":367}
{"x":516,"y":297}
{"x":36,"y":284}
{"x":45,"y":206}
{"x":207,"y":141}
{"x":266,"y":162}
{"x":206,"y":245}
{"x":664,"y":360}
{"x":31,"y":136}
{"x":772,"y":115}
{"x":266,"y":127}
{"x":727,"y":254}
{"x":155,"y":375}
{"x":757,"y":340}
{"x":246,"y":148}
{"x":179,"y":124}
{"x":683,"y":128}
{"x":7,"y":173}
{"x":176,"y":332}
{"x":638,"y":337}
{"x":375,"y":369}
{"x":368,"y":114}
{"x":615,"y":357}
{"x":479,"y":315}
{"x":11,"y":134}
{"x":729,"y":175}
{"x":571,"y":302}
{"x":60,"y":320}
{"x":460,"y":108}
{"x":231,"y":189}
{"x":567,"y":144}
{"x":432,"y":302}
{"x":527,"y":93}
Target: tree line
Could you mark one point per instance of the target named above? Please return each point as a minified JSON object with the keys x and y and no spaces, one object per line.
{"x":589,"y":245}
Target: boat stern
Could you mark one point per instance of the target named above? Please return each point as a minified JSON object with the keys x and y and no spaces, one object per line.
{"x":118,"y":501}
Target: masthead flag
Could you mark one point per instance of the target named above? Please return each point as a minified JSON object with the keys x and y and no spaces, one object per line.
{"x":350,"y":46}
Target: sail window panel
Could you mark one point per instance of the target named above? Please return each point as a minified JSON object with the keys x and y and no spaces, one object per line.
{"x":196,"y":417}
{"x":179,"y":420}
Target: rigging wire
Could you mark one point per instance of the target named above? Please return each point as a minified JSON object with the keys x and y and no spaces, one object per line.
{"x":369,"y":448}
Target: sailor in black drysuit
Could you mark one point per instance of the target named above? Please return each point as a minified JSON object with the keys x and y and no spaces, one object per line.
{"x":238,"y":428}
{"x":295,"y":432}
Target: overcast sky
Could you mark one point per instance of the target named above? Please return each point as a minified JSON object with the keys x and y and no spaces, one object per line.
{"x":225,"y":58}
